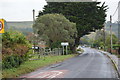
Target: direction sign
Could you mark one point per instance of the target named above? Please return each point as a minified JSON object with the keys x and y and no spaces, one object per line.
{"x":64,"y":43}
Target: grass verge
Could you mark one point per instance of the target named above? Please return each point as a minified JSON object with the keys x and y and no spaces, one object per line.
{"x":30,"y":66}
{"x":118,"y":56}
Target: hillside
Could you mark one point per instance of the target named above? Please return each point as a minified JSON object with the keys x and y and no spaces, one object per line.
{"x":114,"y":27}
{"x":107,"y":29}
{"x":26,"y":26}
{"x":23,"y":26}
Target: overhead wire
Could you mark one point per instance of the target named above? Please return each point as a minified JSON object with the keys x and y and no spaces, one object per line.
{"x":115,"y":10}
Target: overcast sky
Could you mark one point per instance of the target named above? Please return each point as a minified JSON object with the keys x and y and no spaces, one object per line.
{"x":21,"y":10}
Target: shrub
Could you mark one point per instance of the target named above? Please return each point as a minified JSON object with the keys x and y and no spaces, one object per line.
{"x":20,"y":49}
{"x":14,"y":60}
{"x":11,"y":38}
{"x":15,"y":48}
{"x":69,"y":51}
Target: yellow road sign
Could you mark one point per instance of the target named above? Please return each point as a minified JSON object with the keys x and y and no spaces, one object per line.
{"x":1,"y":25}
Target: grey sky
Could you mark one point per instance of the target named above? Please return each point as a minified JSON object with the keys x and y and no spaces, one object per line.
{"x":21,"y":10}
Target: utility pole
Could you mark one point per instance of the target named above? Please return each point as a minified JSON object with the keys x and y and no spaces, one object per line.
{"x":110,"y":34}
{"x":104,"y":38}
{"x":33,"y":16}
{"x":33,"y":31}
{"x":119,"y":27}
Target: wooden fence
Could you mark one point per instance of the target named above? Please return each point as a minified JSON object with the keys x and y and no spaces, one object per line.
{"x":42,"y":53}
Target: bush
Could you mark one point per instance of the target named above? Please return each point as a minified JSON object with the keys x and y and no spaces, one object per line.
{"x":79,"y":49}
{"x":69,"y":51}
{"x":118,"y":56}
{"x":20,"y":49}
{"x":11,"y":61}
{"x":11,"y":38}
{"x":15,"y":49}
{"x":14,"y":60}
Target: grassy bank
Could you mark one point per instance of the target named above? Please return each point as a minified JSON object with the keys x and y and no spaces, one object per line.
{"x":30,"y":66}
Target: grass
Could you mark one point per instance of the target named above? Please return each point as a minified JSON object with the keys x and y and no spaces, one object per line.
{"x":117,"y":55}
{"x":32,"y":65}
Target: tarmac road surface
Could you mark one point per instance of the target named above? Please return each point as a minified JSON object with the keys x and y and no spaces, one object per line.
{"x":90,"y":64}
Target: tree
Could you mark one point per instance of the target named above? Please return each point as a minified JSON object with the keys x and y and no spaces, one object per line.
{"x":99,"y":39}
{"x":108,"y":40}
{"x":84,"y":40}
{"x":88,"y":16}
{"x":55,"y":28}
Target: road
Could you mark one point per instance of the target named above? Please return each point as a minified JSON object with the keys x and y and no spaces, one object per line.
{"x":90,"y":64}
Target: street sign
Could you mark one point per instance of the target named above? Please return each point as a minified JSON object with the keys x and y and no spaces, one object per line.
{"x":1,"y":26}
{"x":64,"y":43}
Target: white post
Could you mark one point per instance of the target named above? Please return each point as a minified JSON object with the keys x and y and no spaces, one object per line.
{"x":66,"y":50}
{"x":63,"y":50}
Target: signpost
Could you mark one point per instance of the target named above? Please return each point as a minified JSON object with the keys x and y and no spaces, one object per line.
{"x":65,"y":44}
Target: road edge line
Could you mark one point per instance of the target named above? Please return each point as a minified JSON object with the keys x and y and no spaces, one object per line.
{"x":115,"y":65}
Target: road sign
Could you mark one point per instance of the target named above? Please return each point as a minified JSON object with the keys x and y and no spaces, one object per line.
{"x":1,"y":26}
{"x":64,"y":43}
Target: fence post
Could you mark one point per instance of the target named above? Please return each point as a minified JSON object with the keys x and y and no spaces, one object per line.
{"x":58,"y":51}
{"x":39,"y":53}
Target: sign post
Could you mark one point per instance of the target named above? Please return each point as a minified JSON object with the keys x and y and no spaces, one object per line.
{"x":65,"y":44}
{"x":63,"y":50}
{"x":66,"y":50}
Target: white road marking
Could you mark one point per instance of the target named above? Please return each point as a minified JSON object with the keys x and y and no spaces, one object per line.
{"x":43,"y":76}
{"x":46,"y":74}
{"x":55,"y":75}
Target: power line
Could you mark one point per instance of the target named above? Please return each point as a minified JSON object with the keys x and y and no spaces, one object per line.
{"x":115,"y":10}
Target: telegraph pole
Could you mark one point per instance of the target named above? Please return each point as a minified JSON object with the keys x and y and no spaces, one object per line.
{"x":33,"y":16}
{"x":104,"y":38}
{"x":119,"y":27}
{"x":110,"y":34}
{"x":33,"y":31}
